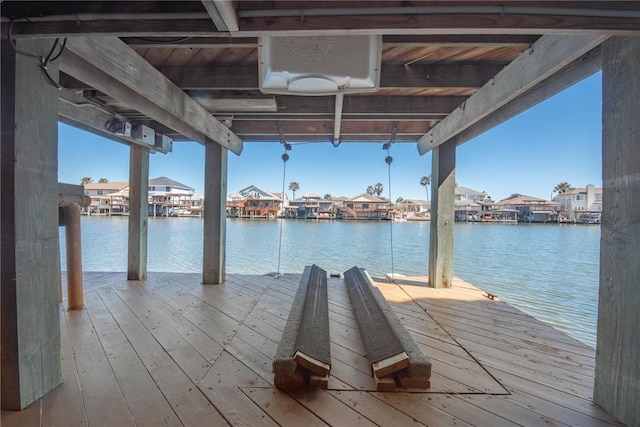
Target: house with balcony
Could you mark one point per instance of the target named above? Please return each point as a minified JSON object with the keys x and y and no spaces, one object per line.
{"x":107,"y":198}
{"x":580,"y":201}
{"x":169,"y":198}
{"x":530,"y":209}
{"x":252,"y":202}
{"x":366,"y":206}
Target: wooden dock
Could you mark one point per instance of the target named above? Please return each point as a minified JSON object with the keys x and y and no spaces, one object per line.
{"x":170,"y":351}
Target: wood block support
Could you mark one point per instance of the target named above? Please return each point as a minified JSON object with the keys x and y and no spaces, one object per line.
{"x":443,"y":187}
{"x":303,"y":356}
{"x":617,"y":378}
{"x":215,"y":199}
{"x":30,"y":264}
{"x":138,"y":212}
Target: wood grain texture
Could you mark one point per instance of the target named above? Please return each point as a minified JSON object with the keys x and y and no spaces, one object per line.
{"x":548,"y":55}
{"x":138,"y":213}
{"x":617,"y":386}
{"x":30,"y":266}
{"x":215,"y":190}
{"x":443,"y":183}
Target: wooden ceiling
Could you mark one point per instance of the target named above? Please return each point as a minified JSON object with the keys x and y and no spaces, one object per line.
{"x":435,"y":55}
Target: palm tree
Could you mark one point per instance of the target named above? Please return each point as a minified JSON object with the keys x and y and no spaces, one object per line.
{"x":293,"y":187}
{"x":378,"y":188}
{"x":425,"y":181}
{"x":370,"y":190}
{"x":86,"y":180}
{"x":563,"y":187}
{"x":103,"y":181}
{"x":328,"y":196}
{"x":399,"y":200}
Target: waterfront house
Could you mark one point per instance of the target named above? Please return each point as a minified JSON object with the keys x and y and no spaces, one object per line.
{"x":580,"y":201}
{"x":107,"y":198}
{"x":254,"y":203}
{"x":365,"y":206}
{"x":181,"y":349}
{"x":414,"y":209}
{"x":169,"y":198}
{"x":471,"y":195}
{"x":530,"y":209}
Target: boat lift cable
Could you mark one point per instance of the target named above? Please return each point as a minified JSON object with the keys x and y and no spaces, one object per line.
{"x":285,"y":157}
{"x":388,"y":160}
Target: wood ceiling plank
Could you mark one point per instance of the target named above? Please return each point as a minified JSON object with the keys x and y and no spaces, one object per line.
{"x":159,"y":98}
{"x":549,"y":55}
{"x":222,"y":14}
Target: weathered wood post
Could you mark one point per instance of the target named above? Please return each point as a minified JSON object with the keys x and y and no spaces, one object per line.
{"x":71,"y":199}
{"x":138,"y":212}
{"x":443,"y":187}
{"x":215,"y":200}
{"x":617,"y":379}
{"x":30,"y":262}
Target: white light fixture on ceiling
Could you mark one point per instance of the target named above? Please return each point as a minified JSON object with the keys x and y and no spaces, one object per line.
{"x":319,"y":65}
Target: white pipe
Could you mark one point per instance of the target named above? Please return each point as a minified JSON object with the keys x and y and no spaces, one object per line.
{"x":438,"y":10}
{"x":338,"y":120}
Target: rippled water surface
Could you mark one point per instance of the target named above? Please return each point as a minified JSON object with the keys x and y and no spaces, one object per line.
{"x":549,"y":271}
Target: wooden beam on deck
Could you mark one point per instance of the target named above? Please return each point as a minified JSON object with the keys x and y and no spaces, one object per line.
{"x":617,"y":376}
{"x":222,"y":14}
{"x":138,"y":213}
{"x":215,"y":215}
{"x":30,"y":262}
{"x":547,"y":56}
{"x":443,"y":187}
{"x":136,"y":82}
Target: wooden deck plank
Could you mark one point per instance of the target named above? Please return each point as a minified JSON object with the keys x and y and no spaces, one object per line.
{"x":328,"y":408}
{"x":192,"y":362}
{"x":145,"y":401}
{"x":171,"y":316}
{"x":228,"y":371}
{"x":282,"y":408}
{"x":103,"y":400}
{"x":374,"y":409}
{"x":65,"y":401}
{"x":191,"y":407}
{"x":237,"y":408}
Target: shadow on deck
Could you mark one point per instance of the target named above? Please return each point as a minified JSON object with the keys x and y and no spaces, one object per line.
{"x":169,"y":351}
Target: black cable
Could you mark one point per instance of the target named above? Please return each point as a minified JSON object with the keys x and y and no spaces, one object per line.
{"x":181,"y":39}
{"x":44,"y":62}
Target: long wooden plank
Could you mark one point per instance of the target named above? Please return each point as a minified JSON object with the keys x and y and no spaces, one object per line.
{"x":547,"y":56}
{"x":191,"y":407}
{"x":144,"y":400}
{"x":282,"y":408}
{"x":166,"y":103}
{"x":369,"y":407}
{"x":103,"y":400}
{"x":237,"y":408}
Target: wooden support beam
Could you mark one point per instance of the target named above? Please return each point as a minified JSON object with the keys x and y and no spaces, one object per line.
{"x":136,"y":82}
{"x":138,"y":213}
{"x":215,"y":202}
{"x":30,"y":262}
{"x":617,"y":376}
{"x":579,"y":69}
{"x":77,"y":111}
{"x":324,"y":127}
{"x":548,"y":55}
{"x":222,"y":14}
{"x":392,"y":76}
{"x":443,"y":187}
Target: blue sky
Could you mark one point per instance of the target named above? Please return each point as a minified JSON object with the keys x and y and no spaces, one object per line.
{"x":557,"y":140}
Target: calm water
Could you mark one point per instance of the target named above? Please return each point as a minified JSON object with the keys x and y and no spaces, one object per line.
{"x":548,"y":271}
